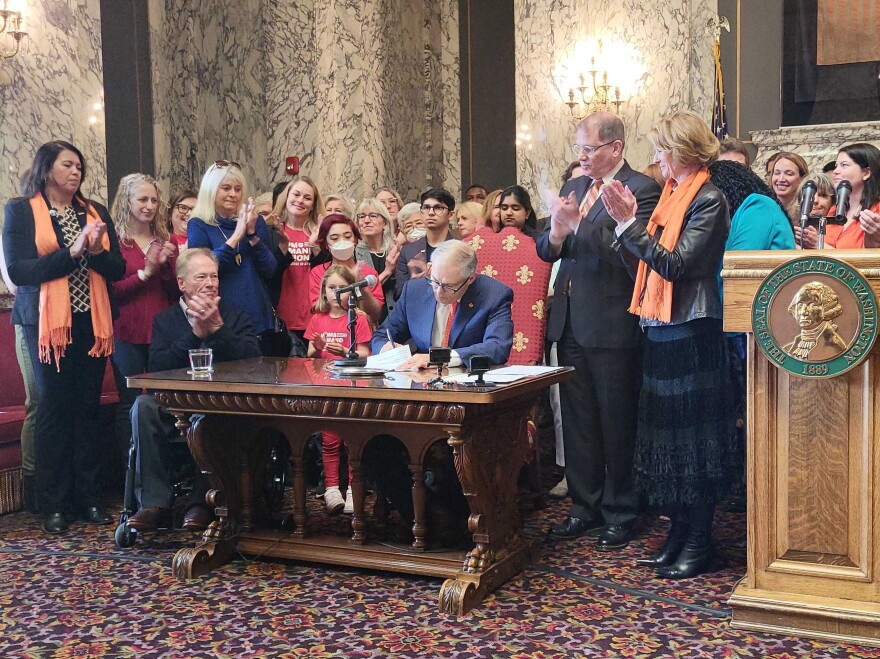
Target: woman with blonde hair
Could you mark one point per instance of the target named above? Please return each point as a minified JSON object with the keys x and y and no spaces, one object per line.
{"x":468,"y":218}
{"x":393,"y":202}
{"x":377,"y":235}
{"x":686,"y":455}
{"x":148,"y":287}
{"x":230,"y":227}
{"x":298,"y":209}
{"x":492,"y":210}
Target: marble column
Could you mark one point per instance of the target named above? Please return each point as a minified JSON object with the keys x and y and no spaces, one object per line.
{"x":365,"y":93}
{"x":208,"y":98}
{"x":660,"y":53}
{"x":54,"y":89}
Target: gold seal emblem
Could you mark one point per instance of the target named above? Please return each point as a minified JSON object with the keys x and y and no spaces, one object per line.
{"x":815,"y":317}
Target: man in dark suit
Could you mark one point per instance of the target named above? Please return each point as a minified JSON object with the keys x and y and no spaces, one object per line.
{"x":598,"y":336}
{"x":437,"y":207}
{"x":200,"y":320}
{"x":454,"y":307}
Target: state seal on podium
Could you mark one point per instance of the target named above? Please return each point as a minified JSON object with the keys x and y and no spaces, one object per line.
{"x":815,"y":317}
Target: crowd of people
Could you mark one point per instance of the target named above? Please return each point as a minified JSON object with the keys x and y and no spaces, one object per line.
{"x":650,"y":414}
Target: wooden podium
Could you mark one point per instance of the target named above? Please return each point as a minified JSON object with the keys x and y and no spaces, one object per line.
{"x":813,"y":551}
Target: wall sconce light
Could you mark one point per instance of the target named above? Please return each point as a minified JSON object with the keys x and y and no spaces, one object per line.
{"x":524,"y":137}
{"x":595,"y":96}
{"x":11,"y":25}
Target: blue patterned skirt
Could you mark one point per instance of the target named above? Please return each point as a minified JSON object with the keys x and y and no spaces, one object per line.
{"x":686,"y":450}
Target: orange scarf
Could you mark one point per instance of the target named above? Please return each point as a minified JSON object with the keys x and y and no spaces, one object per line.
{"x":656,"y":302}
{"x":55,"y":314}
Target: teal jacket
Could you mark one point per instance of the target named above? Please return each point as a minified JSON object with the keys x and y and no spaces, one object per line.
{"x":759,"y":223}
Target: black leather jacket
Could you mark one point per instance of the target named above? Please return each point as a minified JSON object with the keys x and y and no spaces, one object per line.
{"x":693,"y":264}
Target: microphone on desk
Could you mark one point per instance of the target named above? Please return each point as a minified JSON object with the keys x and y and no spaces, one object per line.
{"x":844,"y":188}
{"x":369,"y":280}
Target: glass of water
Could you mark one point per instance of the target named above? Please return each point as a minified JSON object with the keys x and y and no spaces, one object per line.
{"x":201,"y":361}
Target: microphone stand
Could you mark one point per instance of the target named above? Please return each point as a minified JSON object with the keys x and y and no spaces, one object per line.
{"x":822,"y":224}
{"x":803,"y":228}
{"x":351,"y":357}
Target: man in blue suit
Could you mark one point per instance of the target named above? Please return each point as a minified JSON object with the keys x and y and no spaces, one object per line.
{"x":453,"y":306}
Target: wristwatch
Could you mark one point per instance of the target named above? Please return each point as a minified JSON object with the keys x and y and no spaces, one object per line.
{"x":250,"y":236}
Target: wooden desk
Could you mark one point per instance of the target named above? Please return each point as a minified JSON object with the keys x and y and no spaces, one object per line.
{"x":297,"y":397}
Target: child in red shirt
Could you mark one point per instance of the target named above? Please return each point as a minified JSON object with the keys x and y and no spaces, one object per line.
{"x":327,"y":334}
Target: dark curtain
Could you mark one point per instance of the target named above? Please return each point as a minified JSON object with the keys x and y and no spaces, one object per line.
{"x":813,"y":94}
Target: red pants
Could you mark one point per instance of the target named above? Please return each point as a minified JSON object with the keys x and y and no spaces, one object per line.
{"x":331,"y":444}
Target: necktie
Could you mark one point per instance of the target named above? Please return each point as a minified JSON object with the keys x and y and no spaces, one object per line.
{"x":449,"y":320}
{"x":591,"y":197}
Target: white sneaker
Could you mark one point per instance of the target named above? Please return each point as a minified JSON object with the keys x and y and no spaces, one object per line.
{"x":349,"y":503}
{"x":333,"y":500}
{"x":560,"y":490}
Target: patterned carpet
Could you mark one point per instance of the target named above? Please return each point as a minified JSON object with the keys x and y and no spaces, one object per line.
{"x":79,"y":596}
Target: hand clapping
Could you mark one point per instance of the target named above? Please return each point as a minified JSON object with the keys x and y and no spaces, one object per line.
{"x":79,"y":246}
{"x":206,"y":314}
{"x":619,"y":201}
{"x":96,"y":237}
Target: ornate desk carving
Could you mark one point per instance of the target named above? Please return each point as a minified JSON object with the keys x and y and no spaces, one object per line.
{"x":485,"y":428}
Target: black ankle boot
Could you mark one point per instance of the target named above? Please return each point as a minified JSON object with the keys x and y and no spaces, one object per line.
{"x":696,"y":556}
{"x":673,"y":545}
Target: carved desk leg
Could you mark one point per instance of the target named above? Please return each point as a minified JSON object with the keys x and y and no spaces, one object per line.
{"x":420,"y":525}
{"x":216,"y":457}
{"x":488,"y":455}
{"x":299,"y":496}
{"x":358,"y":524}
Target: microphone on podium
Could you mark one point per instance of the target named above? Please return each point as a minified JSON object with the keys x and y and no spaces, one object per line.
{"x":808,"y":194}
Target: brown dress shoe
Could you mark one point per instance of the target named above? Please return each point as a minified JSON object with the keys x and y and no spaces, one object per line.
{"x":150,"y":519}
{"x":197,"y":518}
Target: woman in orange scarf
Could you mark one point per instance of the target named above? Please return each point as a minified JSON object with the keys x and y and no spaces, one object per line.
{"x":62,"y":250}
{"x":687,"y":453}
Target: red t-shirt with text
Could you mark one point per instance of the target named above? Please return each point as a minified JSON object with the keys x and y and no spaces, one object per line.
{"x":294,"y":307}
{"x":336,"y":330}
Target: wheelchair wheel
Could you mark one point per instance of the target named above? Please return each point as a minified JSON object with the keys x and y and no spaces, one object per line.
{"x":125,"y":536}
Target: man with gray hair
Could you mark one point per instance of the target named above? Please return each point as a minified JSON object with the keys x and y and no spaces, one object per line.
{"x":452,"y":307}
{"x":198,"y":321}
{"x":598,"y":337}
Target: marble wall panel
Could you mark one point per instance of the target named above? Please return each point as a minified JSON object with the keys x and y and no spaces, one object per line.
{"x":355,"y":89}
{"x":660,"y":53}
{"x":209,"y":103}
{"x":50,"y":91}
{"x":817,"y":144}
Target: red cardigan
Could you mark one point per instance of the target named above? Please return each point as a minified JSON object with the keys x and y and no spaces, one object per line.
{"x":138,"y":301}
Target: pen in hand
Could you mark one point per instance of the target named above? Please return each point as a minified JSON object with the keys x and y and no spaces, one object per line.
{"x":390,"y":340}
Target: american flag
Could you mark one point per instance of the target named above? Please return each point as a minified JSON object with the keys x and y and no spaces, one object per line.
{"x":719,"y":111}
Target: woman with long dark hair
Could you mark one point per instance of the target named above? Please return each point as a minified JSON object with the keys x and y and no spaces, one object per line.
{"x":516,"y":209}
{"x":62,"y":250}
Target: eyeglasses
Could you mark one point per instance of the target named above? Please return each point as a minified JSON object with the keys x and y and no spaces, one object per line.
{"x":183,"y":209}
{"x":360,"y":217}
{"x":226,"y":163}
{"x":589,"y":150}
{"x":438,"y":208}
{"x":449,"y":288}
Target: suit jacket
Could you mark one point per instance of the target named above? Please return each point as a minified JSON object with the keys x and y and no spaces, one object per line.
{"x":408,"y":252}
{"x":173,"y":338}
{"x":601,"y":287}
{"x":27,"y":269}
{"x":482,"y":324}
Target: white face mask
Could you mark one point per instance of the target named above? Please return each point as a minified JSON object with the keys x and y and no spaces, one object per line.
{"x":342,"y":250}
{"x":416,"y":233}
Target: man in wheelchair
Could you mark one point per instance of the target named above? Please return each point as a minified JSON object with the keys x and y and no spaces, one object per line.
{"x":200,"y":320}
